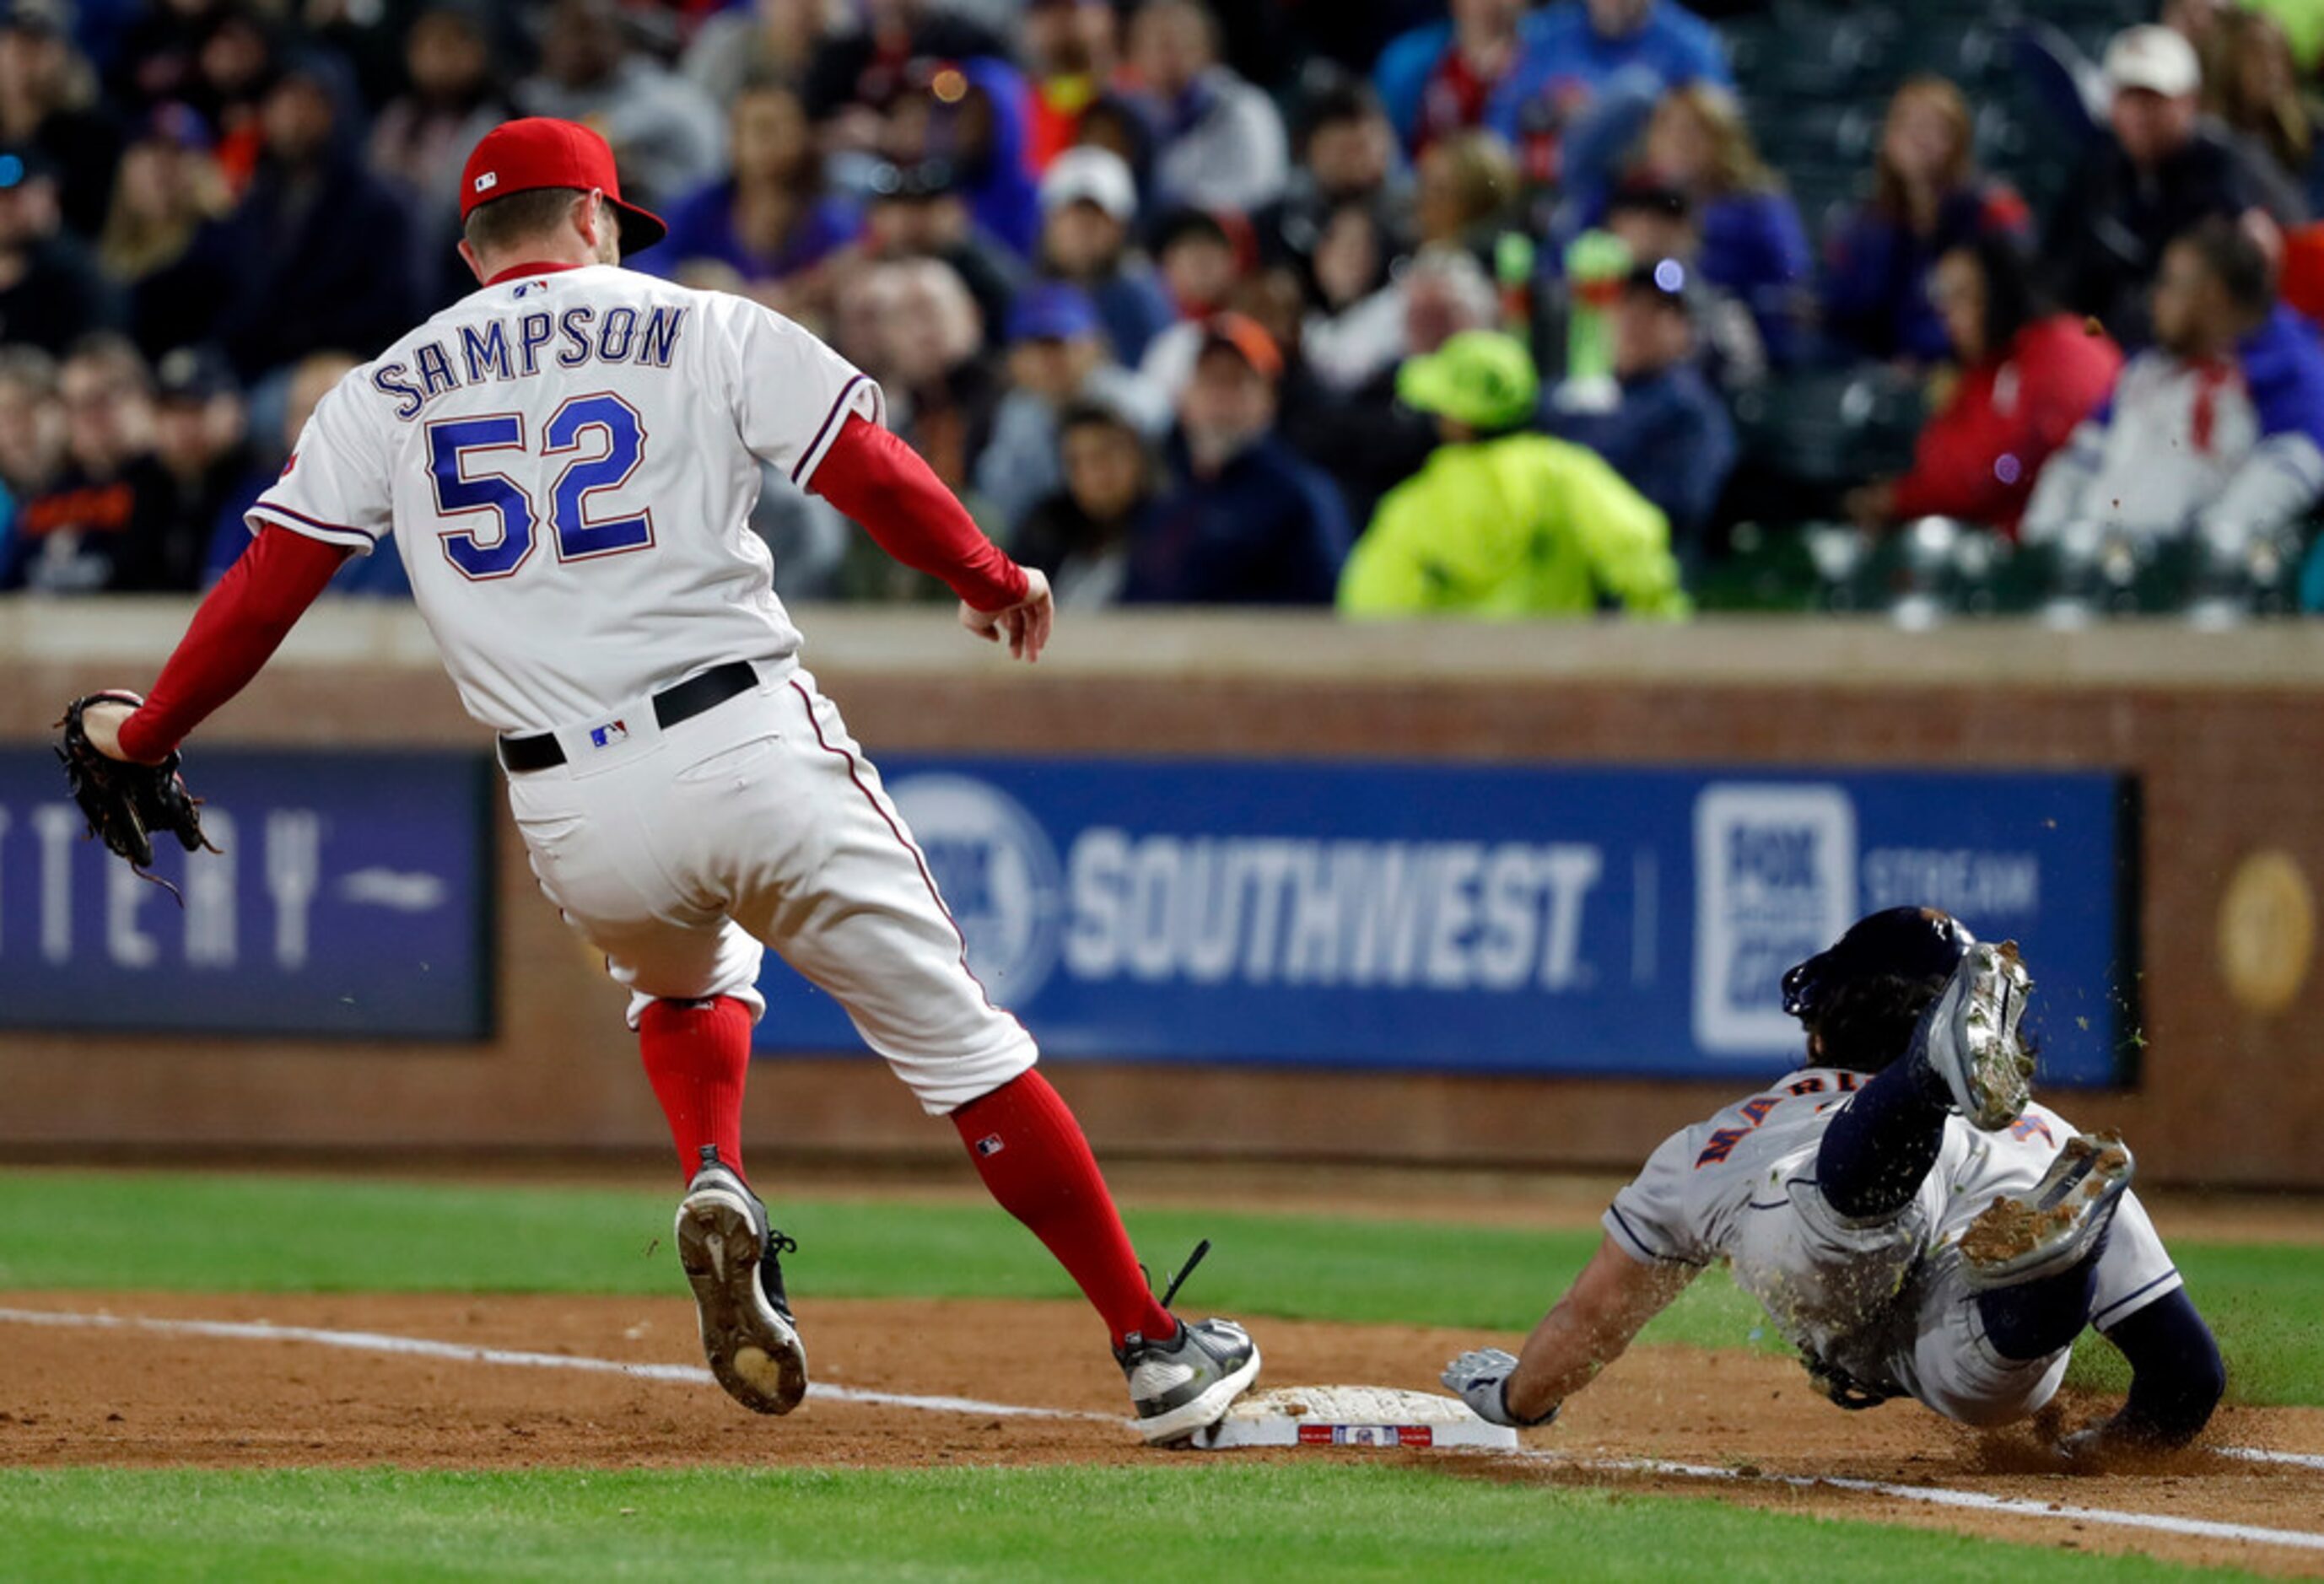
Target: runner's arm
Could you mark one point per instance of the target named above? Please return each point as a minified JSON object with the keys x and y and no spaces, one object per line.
{"x":1608,"y":1303}
{"x":2176,"y":1379}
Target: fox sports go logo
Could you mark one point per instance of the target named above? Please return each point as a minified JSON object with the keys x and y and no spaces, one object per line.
{"x":999,"y":873}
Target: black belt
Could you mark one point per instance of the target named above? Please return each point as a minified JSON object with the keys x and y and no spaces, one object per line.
{"x":701,"y":691}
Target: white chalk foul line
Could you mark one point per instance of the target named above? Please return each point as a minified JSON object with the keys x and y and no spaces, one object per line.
{"x":260,"y":1330}
{"x":694,"y":1375}
{"x":1972,"y":1500}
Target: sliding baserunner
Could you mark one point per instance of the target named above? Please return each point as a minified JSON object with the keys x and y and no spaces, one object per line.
{"x":1906,"y":1215}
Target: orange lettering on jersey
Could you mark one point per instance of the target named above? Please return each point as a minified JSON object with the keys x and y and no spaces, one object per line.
{"x":1722,"y":1145}
{"x":1753,"y":1112}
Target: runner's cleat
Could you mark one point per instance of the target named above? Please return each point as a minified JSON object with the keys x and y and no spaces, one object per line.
{"x":2058,"y":1224}
{"x":1970,"y":1037}
{"x":731,"y":1261}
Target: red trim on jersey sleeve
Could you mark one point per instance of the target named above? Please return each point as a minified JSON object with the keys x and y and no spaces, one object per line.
{"x":237,"y":629}
{"x":882,"y":483}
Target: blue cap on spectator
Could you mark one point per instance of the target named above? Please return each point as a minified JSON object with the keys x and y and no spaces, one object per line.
{"x":21,"y":163}
{"x":1052,"y":310}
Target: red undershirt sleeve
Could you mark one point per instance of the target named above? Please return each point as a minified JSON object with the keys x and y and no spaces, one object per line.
{"x":236,"y":632}
{"x":882,"y":483}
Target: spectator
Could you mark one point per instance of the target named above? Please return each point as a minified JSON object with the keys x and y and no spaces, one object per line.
{"x":202,"y":440}
{"x":1443,"y":290}
{"x":31,"y":422}
{"x":97,"y":527}
{"x":310,"y":381}
{"x":1927,"y":199}
{"x":1349,"y":261}
{"x":2218,"y":432}
{"x":1244,"y":521}
{"x":856,"y":73}
{"x":1502,"y":521}
{"x":155,"y":62}
{"x":424,"y":135}
{"x":1576,"y":48}
{"x":1222,"y":145}
{"x":1200,"y":257}
{"x":50,"y":291}
{"x":1087,"y":203}
{"x":2028,"y":376}
{"x":1116,"y":122}
{"x":48,"y":102}
{"x":664,"y":130}
{"x":760,"y":41}
{"x":1654,"y":222}
{"x":2027,"y":380}
{"x":769,"y":219}
{"x":1435,"y":81}
{"x":1073,"y":50}
{"x":233,"y":71}
{"x":1753,"y":245}
{"x":1079,"y":535}
{"x":1667,"y":434}
{"x":971,"y":116}
{"x":32,"y":435}
{"x":1467,"y":186}
{"x":1057,"y":356}
{"x":2164,"y":167}
{"x":169,"y":188}
{"x":316,"y":254}
{"x":917,"y":212}
{"x":2251,"y":84}
{"x":1347,"y":160}
{"x":924,"y":351}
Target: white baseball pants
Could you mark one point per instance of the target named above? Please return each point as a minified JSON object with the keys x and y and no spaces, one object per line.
{"x":683,"y":855}
{"x":1820,"y":1274}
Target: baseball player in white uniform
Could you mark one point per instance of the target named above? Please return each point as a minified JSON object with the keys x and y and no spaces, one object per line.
{"x":566,"y":460}
{"x":1905,"y":1214}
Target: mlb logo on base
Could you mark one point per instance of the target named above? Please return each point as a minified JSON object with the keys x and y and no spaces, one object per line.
{"x":606,"y":735}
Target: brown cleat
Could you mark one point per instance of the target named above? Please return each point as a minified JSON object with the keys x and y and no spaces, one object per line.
{"x":2015,"y":1240}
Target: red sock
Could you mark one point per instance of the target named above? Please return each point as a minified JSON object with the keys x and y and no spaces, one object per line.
{"x":1032,"y":1155}
{"x":696,"y":1055}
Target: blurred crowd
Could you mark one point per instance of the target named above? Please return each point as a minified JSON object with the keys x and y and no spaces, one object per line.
{"x":1395,"y":305}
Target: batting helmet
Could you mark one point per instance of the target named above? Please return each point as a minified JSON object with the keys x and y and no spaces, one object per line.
{"x":1904,"y":942}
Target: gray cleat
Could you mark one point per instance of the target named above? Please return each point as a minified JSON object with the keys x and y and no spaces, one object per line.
{"x":1189,"y":1381}
{"x":1970,"y":1037}
{"x":730,"y":1259}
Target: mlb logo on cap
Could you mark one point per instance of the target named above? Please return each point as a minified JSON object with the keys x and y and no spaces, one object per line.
{"x":606,"y":735}
{"x":488,"y":181}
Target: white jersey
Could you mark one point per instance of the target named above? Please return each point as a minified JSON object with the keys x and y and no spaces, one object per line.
{"x":1741,"y":1185}
{"x":569,"y":461}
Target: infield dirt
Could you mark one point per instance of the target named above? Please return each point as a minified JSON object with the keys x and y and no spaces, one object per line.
{"x":133,"y":1397}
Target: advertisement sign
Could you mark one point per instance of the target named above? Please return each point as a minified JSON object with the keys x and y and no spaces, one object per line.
{"x":352,"y":897}
{"x":1489,"y":919}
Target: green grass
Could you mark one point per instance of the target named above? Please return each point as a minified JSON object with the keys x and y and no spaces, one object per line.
{"x":1276,"y":1520}
{"x":200,"y":1232}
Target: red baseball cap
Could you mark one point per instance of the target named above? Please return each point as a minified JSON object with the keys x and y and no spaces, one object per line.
{"x":537,"y":151}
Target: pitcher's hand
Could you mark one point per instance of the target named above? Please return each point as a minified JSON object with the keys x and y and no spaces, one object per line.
{"x":1026,"y":624}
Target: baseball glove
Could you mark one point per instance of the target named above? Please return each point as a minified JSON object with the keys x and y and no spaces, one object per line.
{"x":125,"y":803}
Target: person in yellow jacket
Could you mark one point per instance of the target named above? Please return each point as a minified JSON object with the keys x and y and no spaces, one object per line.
{"x":1501,"y":520}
